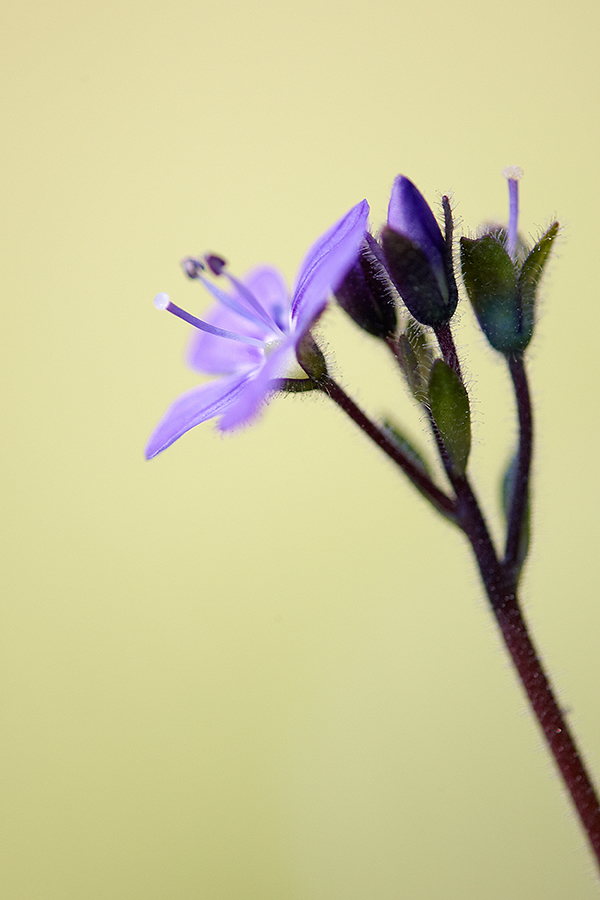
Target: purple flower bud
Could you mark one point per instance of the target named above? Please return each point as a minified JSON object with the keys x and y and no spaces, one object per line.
{"x":410,"y":215}
{"x":367,"y":294}
{"x":418,"y":256}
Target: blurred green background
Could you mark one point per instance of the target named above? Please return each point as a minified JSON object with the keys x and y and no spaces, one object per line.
{"x":259,"y":666}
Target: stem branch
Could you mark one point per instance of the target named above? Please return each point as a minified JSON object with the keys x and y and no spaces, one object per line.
{"x":499,"y":577}
{"x":419,"y":478}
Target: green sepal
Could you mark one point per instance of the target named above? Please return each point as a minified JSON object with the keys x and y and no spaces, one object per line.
{"x":416,"y":457}
{"x":449,"y":405}
{"x":294,"y":385}
{"x":311,"y":358}
{"x":533,"y":267}
{"x":415,"y":357}
{"x":507,"y":492}
{"x":491,"y":282}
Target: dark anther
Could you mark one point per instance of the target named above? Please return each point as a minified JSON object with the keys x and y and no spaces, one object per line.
{"x":192,"y":266}
{"x":216,"y":264}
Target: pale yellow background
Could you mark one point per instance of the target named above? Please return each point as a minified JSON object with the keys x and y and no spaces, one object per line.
{"x":259,"y":668}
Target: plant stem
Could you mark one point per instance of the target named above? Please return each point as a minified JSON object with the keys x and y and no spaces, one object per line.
{"x":551,"y":719}
{"x":500,"y":585}
{"x":500,"y":582}
{"x":444,"y":337}
{"x":418,"y":476}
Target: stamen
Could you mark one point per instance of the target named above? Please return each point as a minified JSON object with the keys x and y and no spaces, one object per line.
{"x":513,"y":174}
{"x":266,"y":317}
{"x":163,"y":301}
{"x":192,"y":266}
{"x":231,"y":302}
{"x":215,"y":263}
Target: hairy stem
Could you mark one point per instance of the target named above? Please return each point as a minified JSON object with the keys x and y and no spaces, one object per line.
{"x":420,"y":479}
{"x":551,"y":719}
{"x":444,"y":337}
{"x":500,"y":585}
{"x":500,"y":582}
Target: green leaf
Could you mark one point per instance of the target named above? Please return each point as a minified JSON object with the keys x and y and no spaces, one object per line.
{"x":449,"y":404}
{"x":416,"y":358}
{"x":507,"y":492}
{"x":507,"y":486}
{"x":406,"y":446}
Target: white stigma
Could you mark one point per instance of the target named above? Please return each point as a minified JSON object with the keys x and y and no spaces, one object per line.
{"x":513,"y":173}
{"x":162,"y":300}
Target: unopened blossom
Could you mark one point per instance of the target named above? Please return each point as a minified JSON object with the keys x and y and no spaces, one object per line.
{"x":367,"y":294}
{"x":502,"y":277}
{"x":410,"y":215}
{"x":418,"y":258}
{"x":251,"y":337}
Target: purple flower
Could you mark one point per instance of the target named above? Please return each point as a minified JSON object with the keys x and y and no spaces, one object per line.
{"x":251,"y":337}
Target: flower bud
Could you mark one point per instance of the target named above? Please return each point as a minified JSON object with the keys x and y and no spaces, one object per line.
{"x":396,"y":434}
{"x":491,"y":283}
{"x":367,"y":294}
{"x":503,"y":293}
{"x":418,"y":256}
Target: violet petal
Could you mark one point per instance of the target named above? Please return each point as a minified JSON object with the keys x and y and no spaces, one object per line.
{"x":215,"y":355}
{"x":326,"y":264}
{"x":246,"y":405}
{"x":269,"y":287}
{"x":190,"y":409}
{"x":410,"y":215}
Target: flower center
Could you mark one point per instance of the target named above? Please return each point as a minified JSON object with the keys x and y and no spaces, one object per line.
{"x":294,"y":370}
{"x":271,"y":346}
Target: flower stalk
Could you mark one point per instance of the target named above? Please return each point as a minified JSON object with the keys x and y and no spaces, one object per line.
{"x":421,"y":481}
